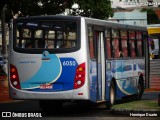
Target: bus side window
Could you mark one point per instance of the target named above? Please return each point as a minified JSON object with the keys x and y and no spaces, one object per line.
{"x":124,"y":43}
{"x":139,"y":44}
{"x":108,"y":48}
{"x":91,"y":43}
{"x":132,"y":43}
{"x":108,"y":43}
{"x":115,"y":43}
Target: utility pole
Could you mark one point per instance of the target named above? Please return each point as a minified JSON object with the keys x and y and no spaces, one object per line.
{"x":3,"y":26}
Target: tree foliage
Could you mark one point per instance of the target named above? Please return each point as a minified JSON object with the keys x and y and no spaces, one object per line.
{"x":152,"y":17}
{"x":39,"y":7}
{"x":89,"y":8}
{"x":95,"y":8}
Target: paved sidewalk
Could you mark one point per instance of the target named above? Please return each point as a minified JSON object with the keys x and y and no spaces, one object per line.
{"x":4,"y":93}
{"x":152,"y":90}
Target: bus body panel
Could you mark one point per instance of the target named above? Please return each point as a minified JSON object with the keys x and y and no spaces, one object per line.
{"x":127,"y":74}
{"x":63,"y":81}
{"x":34,"y":72}
{"x":48,"y":75}
{"x":126,"y":71}
{"x":93,"y":80}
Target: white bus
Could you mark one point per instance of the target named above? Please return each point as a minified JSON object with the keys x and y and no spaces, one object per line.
{"x":54,"y":59}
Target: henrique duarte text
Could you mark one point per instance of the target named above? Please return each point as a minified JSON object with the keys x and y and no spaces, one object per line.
{"x":143,"y":114}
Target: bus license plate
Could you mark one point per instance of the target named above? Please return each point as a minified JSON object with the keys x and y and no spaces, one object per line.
{"x":46,"y":86}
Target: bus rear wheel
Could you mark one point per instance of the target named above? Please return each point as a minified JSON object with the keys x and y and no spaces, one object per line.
{"x":112,"y":97}
{"x":140,"y":89}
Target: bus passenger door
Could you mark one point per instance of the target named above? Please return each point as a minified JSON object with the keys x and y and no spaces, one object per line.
{"x":100,"y":61}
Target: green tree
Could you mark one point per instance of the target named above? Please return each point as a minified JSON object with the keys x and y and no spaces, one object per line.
{"x":36,"y":7}
{"x":89,"y":8}
{"x":152,"y":17}
{"x":100,"y":9}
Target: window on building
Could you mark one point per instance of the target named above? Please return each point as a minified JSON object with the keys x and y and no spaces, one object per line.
{"x":111,"y":2}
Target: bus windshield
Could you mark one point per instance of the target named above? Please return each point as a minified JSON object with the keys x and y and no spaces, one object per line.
{"x":41,"y":34}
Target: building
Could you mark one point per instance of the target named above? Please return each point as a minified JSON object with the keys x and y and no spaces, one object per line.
{"x":134,"y":3}
{"x":134,"y":17}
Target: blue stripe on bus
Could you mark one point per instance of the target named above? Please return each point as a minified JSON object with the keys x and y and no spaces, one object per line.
{"x":120,"y":70}
{"x":62,"y":70}
{"x":48,"y":73}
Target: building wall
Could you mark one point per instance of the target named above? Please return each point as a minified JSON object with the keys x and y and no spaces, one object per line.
{"x":134,"y":17}
{"x":134,"y":3}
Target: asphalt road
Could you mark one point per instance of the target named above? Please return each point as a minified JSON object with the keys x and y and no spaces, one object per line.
{"x":70,"y":111}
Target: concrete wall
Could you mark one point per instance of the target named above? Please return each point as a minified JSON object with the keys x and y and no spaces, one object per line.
{"x":134,"y":18}
{"x":134,"y":3}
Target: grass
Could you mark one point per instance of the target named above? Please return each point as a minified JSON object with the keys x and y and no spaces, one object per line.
{"x":148,"y":105}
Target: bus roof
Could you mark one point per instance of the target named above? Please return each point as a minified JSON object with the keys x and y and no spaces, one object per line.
{"x":115,"y":25}
{"x":89,"y":21}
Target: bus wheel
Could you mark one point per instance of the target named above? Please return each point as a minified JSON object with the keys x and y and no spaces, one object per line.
{"x":112,"y":97}
{"x":50,"y":106}
{"x":140,"y":89}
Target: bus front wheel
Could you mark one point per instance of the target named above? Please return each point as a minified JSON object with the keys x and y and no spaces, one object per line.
{"x":112,"y":96}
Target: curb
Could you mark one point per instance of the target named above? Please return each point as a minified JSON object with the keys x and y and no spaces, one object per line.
{"x":3,"y":79}
{"x":153,"y":90}
{"x":10,"y":101}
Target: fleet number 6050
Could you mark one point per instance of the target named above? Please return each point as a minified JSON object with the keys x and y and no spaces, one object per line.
{"x":69,"y":63}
